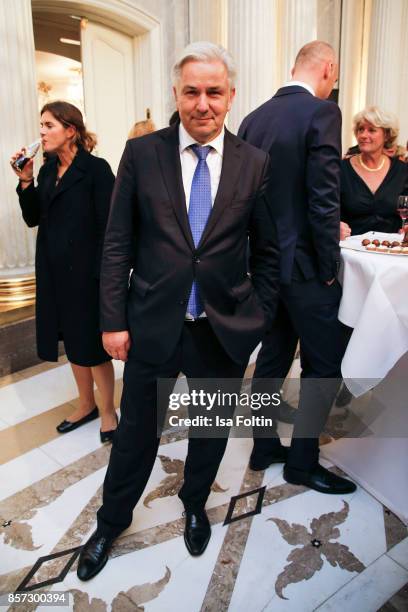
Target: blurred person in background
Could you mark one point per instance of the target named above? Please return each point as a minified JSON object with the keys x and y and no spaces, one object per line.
{"x":141,"y":128}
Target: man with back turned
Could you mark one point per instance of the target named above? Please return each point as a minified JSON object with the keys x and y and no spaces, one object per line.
{"x":301,"y":131}
{"x":185,"y":200}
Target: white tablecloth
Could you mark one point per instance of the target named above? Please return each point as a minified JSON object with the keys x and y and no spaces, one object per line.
{"x":378,"y":461}
{"x":375,"y":305}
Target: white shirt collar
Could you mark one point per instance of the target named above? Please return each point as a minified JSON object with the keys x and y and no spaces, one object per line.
{"x":186,"y":140}
{"x":300,"y":84}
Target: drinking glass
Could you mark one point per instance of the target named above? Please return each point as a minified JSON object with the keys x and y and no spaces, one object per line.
{"x":29,"y":152}
{"x":402,"y":209}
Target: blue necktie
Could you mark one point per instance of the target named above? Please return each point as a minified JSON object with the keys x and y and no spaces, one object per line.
{"x":198,"y":213}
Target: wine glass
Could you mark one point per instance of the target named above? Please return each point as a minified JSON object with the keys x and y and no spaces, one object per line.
{"x":402,"y":209}
{"x":29,"y":152}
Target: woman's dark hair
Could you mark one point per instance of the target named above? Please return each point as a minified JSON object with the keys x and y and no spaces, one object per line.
{"x":70,"y":116}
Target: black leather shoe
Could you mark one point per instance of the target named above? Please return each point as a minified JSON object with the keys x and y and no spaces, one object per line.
{"x":320,"y":480}
{"x":107,"y":436}
{"x":67,"y":426}
{"x":261,"y":462}
{"x":197,"y":532}
{"x":93,"y":556}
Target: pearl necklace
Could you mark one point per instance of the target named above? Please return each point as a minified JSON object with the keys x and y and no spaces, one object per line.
{"x":371,"y":169}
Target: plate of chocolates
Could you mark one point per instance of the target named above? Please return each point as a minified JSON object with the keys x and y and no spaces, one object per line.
{"x":396,"y":247}
{"x":377,"y":242}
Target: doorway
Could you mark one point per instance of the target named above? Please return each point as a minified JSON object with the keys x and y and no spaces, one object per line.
{"x":106,"y":64}
{"x":58,"y":59}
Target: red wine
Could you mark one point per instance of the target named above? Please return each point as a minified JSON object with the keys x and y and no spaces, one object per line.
{"x":30,"y":151}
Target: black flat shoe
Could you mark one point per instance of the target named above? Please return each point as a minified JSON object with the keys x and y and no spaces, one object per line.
{"x":107,"y":436}
{"x":67,"y":426}
{"x":197,"y":532}
{"x":93,"y":556}
{"x":261,"y":462}
{"x":320,"y":480}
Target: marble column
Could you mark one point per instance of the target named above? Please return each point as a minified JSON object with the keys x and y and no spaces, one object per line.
{"x":299,"y":26}
{"x":355,"y":30}
{"x":208,"y":20}
{"x":18,"y":95}
{"x":387,"y":78}
{"x":253,"y":41}
{"x":328,"y":22}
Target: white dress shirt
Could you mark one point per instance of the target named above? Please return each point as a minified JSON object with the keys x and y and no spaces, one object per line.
{"x":300,"y":84}
{"x":189,"y":161}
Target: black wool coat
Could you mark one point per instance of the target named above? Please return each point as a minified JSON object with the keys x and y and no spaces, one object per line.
{"x":71,"y":219}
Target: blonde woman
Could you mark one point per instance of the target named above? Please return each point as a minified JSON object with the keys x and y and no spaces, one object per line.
{"x":371,"y":181}
{"x":141,"y":128}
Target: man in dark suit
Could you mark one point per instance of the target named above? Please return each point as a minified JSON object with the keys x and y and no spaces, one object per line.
{"x":300,"y":129}
{"x":186,"y":198}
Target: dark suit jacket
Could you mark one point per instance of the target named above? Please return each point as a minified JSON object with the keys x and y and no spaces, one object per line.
{"x":301,"y":133}
{"x":149,"y":216}
{"x":72,"y":217}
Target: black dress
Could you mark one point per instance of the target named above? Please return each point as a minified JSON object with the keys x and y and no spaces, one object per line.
{"x":72,"y":217}
{"x":365,"y":211}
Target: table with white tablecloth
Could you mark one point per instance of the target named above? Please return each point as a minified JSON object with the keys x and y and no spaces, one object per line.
{"x":375,"y":305}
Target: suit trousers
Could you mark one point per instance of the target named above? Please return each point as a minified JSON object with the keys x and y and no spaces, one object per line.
{"x":198,"y":354}
{"x":308,"y":312}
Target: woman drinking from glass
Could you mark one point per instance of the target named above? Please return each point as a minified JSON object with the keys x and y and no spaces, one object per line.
{"x":70,"y":206}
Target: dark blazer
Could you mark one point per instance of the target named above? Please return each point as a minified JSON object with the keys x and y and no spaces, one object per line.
{"x":149,"y":216}
{"x":72,"y":217}
{"x":301,"y":133}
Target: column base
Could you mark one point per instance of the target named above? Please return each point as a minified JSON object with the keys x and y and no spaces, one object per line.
{"x":16,"y":291}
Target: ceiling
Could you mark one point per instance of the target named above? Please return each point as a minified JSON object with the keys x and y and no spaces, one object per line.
{"x":55,"y":67}
{"x":50,"y":27}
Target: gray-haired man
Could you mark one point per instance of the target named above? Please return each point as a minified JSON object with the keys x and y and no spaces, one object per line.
{"x":186,"y":198}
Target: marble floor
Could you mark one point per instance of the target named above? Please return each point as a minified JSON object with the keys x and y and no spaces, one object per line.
{"x":283,"y":547}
